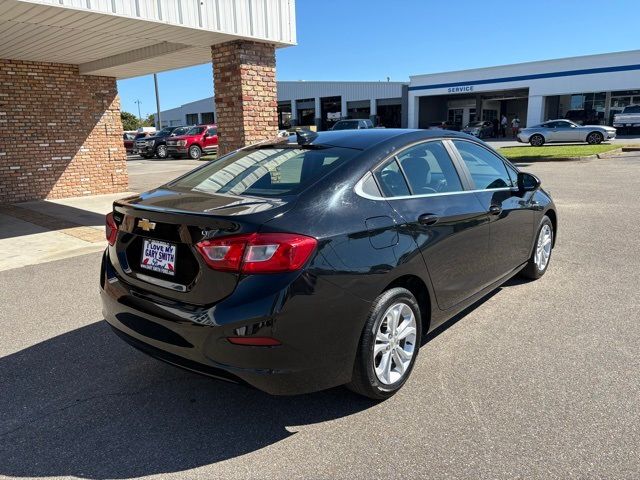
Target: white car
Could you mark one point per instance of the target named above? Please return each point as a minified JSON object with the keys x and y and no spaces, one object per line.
{"x":565,"y":131}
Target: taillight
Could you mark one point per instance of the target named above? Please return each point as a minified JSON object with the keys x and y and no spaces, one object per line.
{"x":111,"y":229}
{"x":258,"y":252}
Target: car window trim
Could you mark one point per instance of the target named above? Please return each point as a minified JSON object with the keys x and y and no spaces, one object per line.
{"x":360,"y":192}
{"x":458,"y":165}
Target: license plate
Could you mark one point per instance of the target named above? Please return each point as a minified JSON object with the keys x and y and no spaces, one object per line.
{"x":159,"y":257}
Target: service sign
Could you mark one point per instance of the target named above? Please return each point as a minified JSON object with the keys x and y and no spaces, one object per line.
{"x":460,"y":89}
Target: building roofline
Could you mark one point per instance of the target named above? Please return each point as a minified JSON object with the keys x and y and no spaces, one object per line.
{"x":550,"y":61}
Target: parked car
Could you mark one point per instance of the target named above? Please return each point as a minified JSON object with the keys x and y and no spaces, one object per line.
{"x":481,"y":129}
{"x":583,"y":117}
{"x":156,"y":145}
{"x":444,"y":126}
{"x":628,"y":119}
{"x":323,"y":260}
{"x":356,"y":124}
{"x":565,"y":131}
{"x":137,"y":137}
{"x":128,"y":138}
{"x":198,"y":139}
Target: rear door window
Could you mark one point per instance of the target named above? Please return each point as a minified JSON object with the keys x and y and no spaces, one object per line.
{"x":391,"y":180}
{"x":429,"y":169}
{"x":487,"y":170}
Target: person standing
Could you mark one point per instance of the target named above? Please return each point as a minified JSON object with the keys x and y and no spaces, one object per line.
{"x":496,"y":127}
{"x":503,"y":126}
{"x":515,"y":126}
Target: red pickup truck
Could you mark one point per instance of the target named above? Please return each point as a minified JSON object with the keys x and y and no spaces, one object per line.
{"x":199,"y":139}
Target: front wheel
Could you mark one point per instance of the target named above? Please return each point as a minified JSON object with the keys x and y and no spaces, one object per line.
{"x":539,"y":261}
{"x":536,"y":140}
{"x":195,"y":152}
{"x":161,"y":152}
{"x":388,"y":345}
{"x":595,"y":138}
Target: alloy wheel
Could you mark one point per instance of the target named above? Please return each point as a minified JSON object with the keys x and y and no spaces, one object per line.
{"x":395,"y":343}
{"x":162,"y":151}
{"x":543,"y":247}
{"x":194,"y":152}
{"x":594,"y":138}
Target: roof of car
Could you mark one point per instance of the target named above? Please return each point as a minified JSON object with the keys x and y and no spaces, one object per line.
{"x":362,"y":139}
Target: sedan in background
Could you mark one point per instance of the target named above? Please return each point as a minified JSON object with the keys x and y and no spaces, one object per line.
{"x":355,"y":124}
{"x":444,"y":126}
{"x":565,"y":131}
{"x":482,"y":129}
{"x":320,"y":260}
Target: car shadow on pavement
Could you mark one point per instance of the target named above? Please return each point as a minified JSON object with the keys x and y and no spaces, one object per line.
{"x":86,"y":404}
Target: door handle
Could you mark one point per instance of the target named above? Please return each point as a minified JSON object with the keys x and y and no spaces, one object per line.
{"x":495,"y":209}
{"x":428,"y":219}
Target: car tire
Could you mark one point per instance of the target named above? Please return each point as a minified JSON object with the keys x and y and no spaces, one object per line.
{"x":383,"y":345}
{"x":542,"y":248}
{"x":595,"y":138}
{"x":161,"y":152}
{"x":195,"y":152}
{"x":536,"y":140}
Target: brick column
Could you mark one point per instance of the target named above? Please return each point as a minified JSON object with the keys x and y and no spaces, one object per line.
{"x":244,"y":77}
{"x":61,"y":133}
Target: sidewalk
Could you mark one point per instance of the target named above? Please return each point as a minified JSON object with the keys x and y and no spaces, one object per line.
{"x":47,"y":230}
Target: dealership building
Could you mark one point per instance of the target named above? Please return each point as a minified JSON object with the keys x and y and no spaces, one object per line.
{"x":593,"y":87}
{"x":318,"y":104}
{"x":600,"y":85}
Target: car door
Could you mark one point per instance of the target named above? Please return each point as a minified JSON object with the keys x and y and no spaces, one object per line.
{"x":448,"y":222}
{"x":566,"y":132}
{"x":510,"y":211}
{"x":211,"y":138}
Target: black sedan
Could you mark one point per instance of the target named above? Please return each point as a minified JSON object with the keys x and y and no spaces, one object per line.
{"x":307,"y":263}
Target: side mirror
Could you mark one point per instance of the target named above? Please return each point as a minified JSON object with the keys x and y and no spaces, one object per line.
{"x":528,"y":182}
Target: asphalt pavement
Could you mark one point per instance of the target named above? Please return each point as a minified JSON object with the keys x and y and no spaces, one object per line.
{"x":539,"y":380}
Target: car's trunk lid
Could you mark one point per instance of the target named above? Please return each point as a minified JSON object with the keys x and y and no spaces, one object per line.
{"x":175,"y":221}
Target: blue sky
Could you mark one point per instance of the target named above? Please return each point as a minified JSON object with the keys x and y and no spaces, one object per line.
{"x":374,"y":39}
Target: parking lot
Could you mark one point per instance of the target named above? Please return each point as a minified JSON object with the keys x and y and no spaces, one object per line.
{"x":538,"y":380}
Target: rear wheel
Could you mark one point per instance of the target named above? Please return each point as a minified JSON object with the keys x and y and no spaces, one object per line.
{"x":595,"y":138}
{"x":195,"y":152}
{"x":539,"y":261}
{"x":388,"y":345}
{"x":536,"y":140}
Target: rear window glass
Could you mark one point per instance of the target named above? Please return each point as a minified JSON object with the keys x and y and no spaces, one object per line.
{"x":266,"y":172}
{"x":632,"y":109}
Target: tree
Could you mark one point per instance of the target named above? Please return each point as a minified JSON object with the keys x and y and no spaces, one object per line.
{"x":129,"y":121}
{"x":149,"y":121}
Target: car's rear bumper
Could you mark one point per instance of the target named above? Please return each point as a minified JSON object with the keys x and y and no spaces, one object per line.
{"x":317,"y":351}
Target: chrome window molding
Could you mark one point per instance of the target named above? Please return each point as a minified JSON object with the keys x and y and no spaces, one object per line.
{"x":360,"y":192}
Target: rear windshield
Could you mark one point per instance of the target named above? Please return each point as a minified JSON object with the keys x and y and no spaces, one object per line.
{"x":632,"y":109}
{"x":266,"y":172}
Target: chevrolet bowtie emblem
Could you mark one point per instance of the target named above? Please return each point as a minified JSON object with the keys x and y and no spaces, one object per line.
{"x":146,"y":225}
